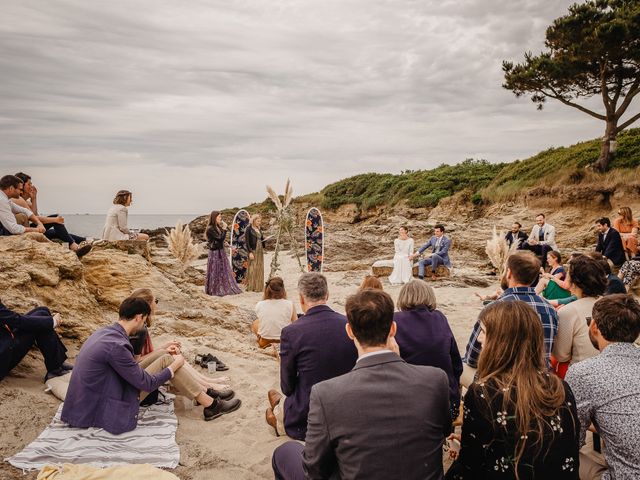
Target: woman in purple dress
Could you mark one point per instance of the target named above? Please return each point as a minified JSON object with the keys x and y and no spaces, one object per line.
{"x":219,"y":280}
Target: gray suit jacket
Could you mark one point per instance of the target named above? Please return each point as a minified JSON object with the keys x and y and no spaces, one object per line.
{"x":384,"y":419}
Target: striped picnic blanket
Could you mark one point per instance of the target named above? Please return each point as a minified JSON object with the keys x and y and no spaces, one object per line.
{"x":152,"y":442}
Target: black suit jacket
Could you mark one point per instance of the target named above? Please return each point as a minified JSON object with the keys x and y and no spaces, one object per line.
{"x":384,"y":419}
{"x":612,"y":247}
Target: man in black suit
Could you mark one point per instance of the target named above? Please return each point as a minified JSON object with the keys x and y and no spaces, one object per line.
{"x":610,"y":242}
{"x":384,"y":419}
{"x":18,"y":333}
{"x":516,"y":235}
{"x":313,"y":348}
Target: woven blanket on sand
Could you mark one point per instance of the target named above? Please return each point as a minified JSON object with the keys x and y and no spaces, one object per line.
{"x":152,"y":442}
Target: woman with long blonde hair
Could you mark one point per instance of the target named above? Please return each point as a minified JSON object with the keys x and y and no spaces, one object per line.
{"x":628,"y":229}
{"x":520,"y":421}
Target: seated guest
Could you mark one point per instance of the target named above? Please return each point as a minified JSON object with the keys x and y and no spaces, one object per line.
{"x":549,"y":286}
{"x":54,"y":224}
{"x":384,"y":419}
{"x":18,"y":333}
{"x":519,"y":421}
{"x":370,"y":281}
{"x":439,"y":244}
{"x":145,"y":354}
{"x":522,"y":270}
{"x":628,"y":229}
{"x":10,"y":213}
{"x":614,"y":284}
{"x":107,"y":383}
{"x":516,"y":235}
{"x":607,"y":390}
{"x":313,"y":348}
{"x":116,"y":227}
{"x":402,"y":264}
{"x":609,"y":242}
{"x":425,"y":337}
{"x":630,"y":271}
{"x":588,"y":282}
{"x":274,"y":313}
{"x":542,"y":239}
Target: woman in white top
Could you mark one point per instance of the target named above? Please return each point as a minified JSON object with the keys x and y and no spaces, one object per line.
{"x":115,"y":227}
{"x":402,"y":264}
{"x":587,"y":281}
{"x":274,"y":313}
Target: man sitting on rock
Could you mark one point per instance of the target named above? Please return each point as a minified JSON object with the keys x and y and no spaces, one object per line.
{"x":516,"y":235}
{"x":542,"y":239}
{"x":18,"y":333}
{"x":384,"y":419}
{"x":14,"y":219}
{"x":313,"y":348}
{"x":440,"y":253}
{"x":107,"y":383}
{"x":54,"y":225}
{"x":610,"y":242}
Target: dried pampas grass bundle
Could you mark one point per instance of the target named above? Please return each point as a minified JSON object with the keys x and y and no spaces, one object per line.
{"x":498,"y":250}
{"x":181,"y":243}
{"x":274,"y":198}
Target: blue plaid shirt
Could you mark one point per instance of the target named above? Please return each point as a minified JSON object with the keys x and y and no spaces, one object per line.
{"x":546,"y":312}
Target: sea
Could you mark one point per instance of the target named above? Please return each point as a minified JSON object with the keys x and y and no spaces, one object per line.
{"x":88,"y":225}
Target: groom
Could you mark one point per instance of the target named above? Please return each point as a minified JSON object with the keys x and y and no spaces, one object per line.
{"x":440,"y":254}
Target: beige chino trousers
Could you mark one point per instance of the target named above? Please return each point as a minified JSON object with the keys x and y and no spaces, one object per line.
{"x":183,"y":380}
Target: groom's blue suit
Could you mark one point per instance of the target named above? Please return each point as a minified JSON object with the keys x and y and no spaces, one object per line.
{"x":440,"y":254}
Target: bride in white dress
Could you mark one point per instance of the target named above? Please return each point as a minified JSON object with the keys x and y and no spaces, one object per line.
{"x":402,"y":265}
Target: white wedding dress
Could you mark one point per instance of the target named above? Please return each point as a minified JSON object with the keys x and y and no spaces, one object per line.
{"x":402,"y":266}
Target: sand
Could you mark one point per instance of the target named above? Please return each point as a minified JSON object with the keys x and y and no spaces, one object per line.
{"x":238,"y":445}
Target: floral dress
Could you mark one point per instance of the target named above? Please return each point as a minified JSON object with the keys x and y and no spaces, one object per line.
{"x":488,"y":444}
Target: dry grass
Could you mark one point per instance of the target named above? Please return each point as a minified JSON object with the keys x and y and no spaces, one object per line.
{"x":181,"y":243}
{"x":498,"y":251}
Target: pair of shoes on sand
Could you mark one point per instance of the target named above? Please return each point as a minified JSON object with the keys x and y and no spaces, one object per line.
{"x":274,"y":399}
{"x":204,"y":359}
{"x":58,"y":372}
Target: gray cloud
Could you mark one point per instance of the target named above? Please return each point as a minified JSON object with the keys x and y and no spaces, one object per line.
{"x":212,"y":99}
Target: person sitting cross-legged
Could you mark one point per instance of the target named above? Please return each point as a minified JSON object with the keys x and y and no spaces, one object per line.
{"x":18,"y":333}
{"x":439,"y":244}
{"x":313,"y":348}
{"x":107,"y":383}
{"x":384,"y":419}
{"x":607,"y":390}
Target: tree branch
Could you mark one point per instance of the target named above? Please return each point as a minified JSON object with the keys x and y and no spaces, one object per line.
{"x":605,"y":90}
{"x":571,"y":104}
{"x":627,"y":123}
{"x":633,"y":91}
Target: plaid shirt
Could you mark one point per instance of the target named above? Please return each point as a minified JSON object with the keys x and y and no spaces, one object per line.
{"x":546,"y":312}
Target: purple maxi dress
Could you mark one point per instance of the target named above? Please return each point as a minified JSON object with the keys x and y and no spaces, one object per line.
{"x":219,"y":280}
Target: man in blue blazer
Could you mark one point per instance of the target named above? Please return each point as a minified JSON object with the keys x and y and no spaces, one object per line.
{"x":440,"y":253}
{"x":610,"y":242}
{"x":314,"y":348}
{"x":18,"y":333}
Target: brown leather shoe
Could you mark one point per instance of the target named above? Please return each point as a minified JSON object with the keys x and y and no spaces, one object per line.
{"x":270,"y":418}
{"x":274,"y":397}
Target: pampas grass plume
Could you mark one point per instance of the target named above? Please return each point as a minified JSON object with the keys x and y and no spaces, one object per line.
{"x":274,"y":197}
{"x":498,"y":250}
{"x":181,"y":243}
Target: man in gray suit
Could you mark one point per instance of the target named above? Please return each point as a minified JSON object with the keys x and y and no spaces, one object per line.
{"x":384,"y":419}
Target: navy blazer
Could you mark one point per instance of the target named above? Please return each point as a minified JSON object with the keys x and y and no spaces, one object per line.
{"x":314,"y":348}
{"x":11,"y":324}
{"x":106,"y":382}
{"x":425,"y":338}
{"x":612,"y":247}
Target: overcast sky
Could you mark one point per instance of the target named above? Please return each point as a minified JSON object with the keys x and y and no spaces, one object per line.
{"x":198,"y":105}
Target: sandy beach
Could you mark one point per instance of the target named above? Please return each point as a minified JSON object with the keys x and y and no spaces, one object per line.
{"x":238,"y":445}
